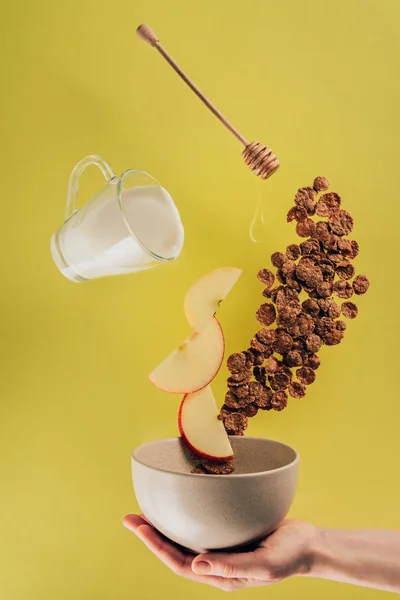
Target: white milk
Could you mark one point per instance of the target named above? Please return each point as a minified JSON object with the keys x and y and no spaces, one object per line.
{"x":97,"y":242}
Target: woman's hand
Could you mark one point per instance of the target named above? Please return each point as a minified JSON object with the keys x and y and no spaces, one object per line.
{"x":286,"y":552}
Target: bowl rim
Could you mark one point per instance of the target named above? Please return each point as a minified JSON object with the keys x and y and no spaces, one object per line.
{"x":292,"y":464}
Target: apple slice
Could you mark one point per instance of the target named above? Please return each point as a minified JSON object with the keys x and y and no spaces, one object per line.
{"x":194,"y":364}
{"x":201,"y":430}
{"x":204,"y":296}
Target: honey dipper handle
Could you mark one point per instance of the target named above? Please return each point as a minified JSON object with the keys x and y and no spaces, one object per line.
{"x":147,"y":34}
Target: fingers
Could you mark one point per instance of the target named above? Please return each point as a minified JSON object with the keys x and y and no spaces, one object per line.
{"x":249,"y":565}
{"x":183,"y":563}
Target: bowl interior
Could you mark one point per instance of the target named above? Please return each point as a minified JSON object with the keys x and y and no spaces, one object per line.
{"x":252,"y":455}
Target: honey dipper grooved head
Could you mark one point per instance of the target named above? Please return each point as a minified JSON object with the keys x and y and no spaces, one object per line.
{"x":260,"y":159}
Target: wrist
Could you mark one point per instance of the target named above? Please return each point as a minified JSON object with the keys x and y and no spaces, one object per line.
{"x":315,"y":553}
{"x":308,"y":554}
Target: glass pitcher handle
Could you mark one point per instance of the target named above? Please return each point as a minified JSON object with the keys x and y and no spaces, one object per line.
{"x":73,"y":184}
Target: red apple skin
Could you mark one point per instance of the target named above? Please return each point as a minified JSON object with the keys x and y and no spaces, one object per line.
{"x":208,"y":382}
{"x":189,"y":445}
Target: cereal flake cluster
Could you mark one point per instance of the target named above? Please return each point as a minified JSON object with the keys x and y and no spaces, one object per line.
{"x":300,"y":314}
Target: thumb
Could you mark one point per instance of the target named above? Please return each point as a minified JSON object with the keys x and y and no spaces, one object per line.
{"x":252,"y":565}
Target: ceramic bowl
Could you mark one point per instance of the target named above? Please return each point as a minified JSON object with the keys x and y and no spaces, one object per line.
{"x":215,"y":512}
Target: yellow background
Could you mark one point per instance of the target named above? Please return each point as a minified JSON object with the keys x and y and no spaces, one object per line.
{"x":317,"y":81}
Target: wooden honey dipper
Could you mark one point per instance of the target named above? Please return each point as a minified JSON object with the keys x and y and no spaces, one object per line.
{"x":257,"y":156}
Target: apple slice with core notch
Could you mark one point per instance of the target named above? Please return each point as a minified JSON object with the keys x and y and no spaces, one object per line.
{"x":205,"y":295}
{"x":201,"y":430}
{"x":193,"y":364}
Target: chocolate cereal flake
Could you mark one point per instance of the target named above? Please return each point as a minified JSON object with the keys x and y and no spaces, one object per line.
{"x":279,"y":400}
{"x":306,"y":375}
{"x":199,"y":469}
{"x":277,"y":259}
{"x":328,"y":204}
{"x":349,"y":310}
{"x":236,"y":362}
{"x":263,"y":401}
{"x":331,"y":338}
{"x":309,"y":274}
{"x":296,"y":213}
{"x":331,"y":243}
{"x":266,"y":336}
{"x":288,"y":312}
{"x":284,"y":296}
{"x":324,"y":289}
{"x":322,"y":232}
{"x":303,"y":325}
{"x":214,"y":467}
{"x":235,"y":423}
{"x":324,"y":324}
{"x":355,"y":247}
{"x":345,"y":270}
{"x":341,"y":222}
{"x":231,"y":401}
{"x":288,"y":268}
{"x":360,"y":284}
{"x":337,"y":259}
{"x":225,"y":411}
{"x":297,"y":390}
{"x":271,"y":365}
{"x":322,"y":209}
{"x":313,"y":343}
{"x":293,"y":359}
{"x":310,"y":246}
{"x":283,"y":343}
{"x":305,"y":198}
{"x":250,"y":411}
{"x":241,"y":390}
{"x":293,"y":252}
{"x":275,"y":292}
{"x":256,"y":390}
{"x":340,"y":325}
{"x":306,"y":228}
{"x":329,"y":307}
{"x":279,"y":381}
{"x":312,"y":361}
{"x":244,"y":402}
{"x":345,"y":248}
{"x":266,"y":277}
{"x":257,"y":345}
{"x":266,"y":314}
{"x":343,"y":289}
{"x":311,"y":307}
{"x":320,"y":184}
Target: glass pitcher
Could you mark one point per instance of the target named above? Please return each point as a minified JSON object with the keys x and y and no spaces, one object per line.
{"x":130,"y":225}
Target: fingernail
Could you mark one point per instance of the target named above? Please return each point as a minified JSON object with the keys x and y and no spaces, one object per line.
{"x":203,"y":567}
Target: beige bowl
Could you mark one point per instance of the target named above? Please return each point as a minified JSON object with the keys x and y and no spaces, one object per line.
{"x":215,"y":512}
